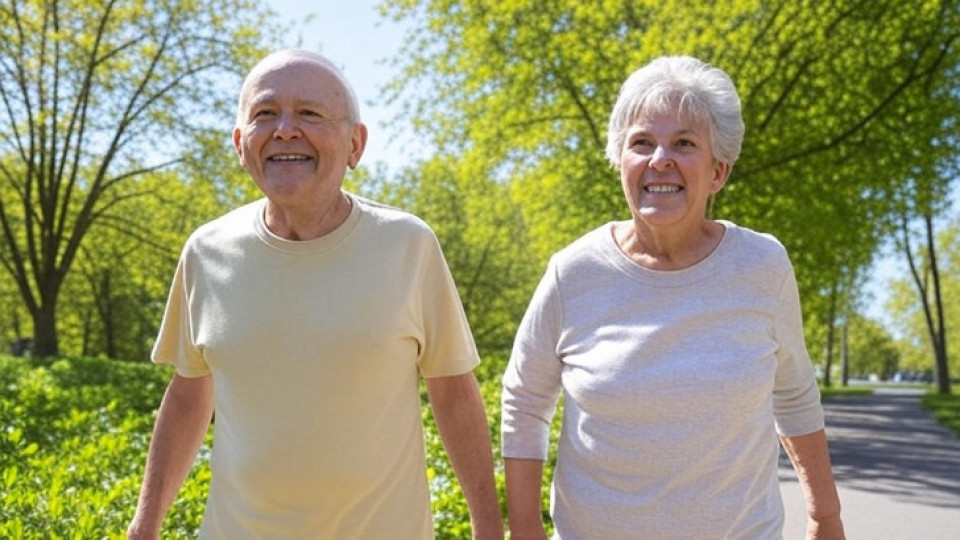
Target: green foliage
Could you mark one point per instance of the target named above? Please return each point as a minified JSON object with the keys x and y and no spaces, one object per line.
{"x":914,"y":343}
{"x":97,"y":96}
{"x":834,"y":391}
{"x":450,"y":515}
{"x":946,"y":409}
{"x":74,"y":442}
{"x":73,"y":445}
{"x":850,"y":109}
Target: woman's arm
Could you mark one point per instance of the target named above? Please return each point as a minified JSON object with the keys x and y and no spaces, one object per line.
{"x":811,"y":459}
{"x":524,"y":478}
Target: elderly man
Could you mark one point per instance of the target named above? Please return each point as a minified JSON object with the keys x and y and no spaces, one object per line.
{"x":305,"y":320}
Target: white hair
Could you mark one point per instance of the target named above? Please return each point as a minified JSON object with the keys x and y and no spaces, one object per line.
{"x":689,"y":86}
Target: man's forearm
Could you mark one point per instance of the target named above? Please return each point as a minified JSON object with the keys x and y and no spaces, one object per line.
{"x":182,"y":424}
{"x":462,"y":423}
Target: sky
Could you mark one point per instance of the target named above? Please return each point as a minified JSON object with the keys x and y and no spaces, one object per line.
{"x":353,"y":35}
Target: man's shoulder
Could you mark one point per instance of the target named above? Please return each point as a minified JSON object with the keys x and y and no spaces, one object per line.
{"x":236,"y":223}
{"x":385,"y":215}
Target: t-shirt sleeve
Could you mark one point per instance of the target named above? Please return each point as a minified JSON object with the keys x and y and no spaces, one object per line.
{"x":531,"y":383}
{"x":447,"y":346}
{"x":175,"y":343}
{"x":796,"y":397}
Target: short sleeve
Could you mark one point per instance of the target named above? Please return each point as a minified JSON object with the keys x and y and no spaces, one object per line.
{"x":175,"y":344}
{"x":448,"y":348}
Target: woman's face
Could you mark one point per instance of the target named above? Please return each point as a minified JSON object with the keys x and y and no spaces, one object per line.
{"x":668,"y":171}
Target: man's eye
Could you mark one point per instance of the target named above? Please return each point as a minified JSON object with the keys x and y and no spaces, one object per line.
{"x":263,"y":113}
{"x":685,"y":142}
{"x":313,"y":116}
{"x":641,"y":142}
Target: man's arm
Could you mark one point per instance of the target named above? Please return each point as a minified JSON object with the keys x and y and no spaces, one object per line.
{"x":811,"y":459}
{"x":524,"y":513}
{"x":462,"y":423}
{"x":181,"y":426}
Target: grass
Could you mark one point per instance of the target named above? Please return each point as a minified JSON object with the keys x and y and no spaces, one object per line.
{"x":946,"y":409}
{"x":834,"y":391}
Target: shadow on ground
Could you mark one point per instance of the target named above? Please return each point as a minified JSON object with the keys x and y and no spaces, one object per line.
{"x":886,"y":444}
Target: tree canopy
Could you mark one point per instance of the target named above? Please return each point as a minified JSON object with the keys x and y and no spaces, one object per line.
{"x":844,"y":104}
{"x":96,"y":96}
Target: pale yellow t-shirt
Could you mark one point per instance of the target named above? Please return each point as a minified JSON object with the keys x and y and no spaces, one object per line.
{"x":316,"y":348}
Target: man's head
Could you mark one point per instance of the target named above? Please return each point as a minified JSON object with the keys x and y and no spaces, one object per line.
{"x":298,"y":129}
{"x":288,"y":55}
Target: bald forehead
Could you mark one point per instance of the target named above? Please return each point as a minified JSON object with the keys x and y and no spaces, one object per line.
{"x":282,"y":63}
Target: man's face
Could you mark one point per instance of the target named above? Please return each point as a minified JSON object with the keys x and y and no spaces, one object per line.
{"x":293,"y":136}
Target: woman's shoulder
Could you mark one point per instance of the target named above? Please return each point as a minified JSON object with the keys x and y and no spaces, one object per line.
{"x":586,"y":246}
{"x":753,"y":238}
{"x":761,"y":247}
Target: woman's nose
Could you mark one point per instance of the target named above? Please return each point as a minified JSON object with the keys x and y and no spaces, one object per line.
{"x":660,"y":158}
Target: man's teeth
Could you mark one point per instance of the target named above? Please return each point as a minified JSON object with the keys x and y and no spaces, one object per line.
{"x":663,"y":188}
{"x":289,"y":157}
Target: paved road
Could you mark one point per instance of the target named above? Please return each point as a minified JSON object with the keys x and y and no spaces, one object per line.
{"x":897,"y":471}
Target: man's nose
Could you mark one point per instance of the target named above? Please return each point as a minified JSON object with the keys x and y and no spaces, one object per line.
{"x":287,"y":127}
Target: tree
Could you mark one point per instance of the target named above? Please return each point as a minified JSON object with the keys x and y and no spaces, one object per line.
{"x":95,"y":95}
{"x":936,"y":309}
{"x":838,"y":99}
{"x":871,"y":349}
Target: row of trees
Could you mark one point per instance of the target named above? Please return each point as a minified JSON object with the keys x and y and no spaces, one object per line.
{"x":851,"y":111}
{"x":116,"y":114}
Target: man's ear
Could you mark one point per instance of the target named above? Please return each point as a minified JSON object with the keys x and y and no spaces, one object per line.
{"x":236,"y":142}
{"x":358,"y":142}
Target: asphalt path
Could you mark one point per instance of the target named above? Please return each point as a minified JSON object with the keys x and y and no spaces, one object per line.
{"x":897,"y":471}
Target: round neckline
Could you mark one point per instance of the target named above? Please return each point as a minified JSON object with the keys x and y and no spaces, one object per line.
{"x":667,"y":278}
{"x":314,"y":245}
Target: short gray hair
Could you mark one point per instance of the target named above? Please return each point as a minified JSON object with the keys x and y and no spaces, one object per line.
{"x":697,"y":89}
{"x":353,"y":108}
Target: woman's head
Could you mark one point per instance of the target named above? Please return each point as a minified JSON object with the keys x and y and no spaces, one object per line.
{"x":688,"y":87}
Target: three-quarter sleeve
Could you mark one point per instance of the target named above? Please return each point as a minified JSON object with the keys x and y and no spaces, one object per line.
{"x":531,"y":383}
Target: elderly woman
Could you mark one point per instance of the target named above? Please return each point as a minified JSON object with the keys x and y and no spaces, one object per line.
{"x":677,"y":344}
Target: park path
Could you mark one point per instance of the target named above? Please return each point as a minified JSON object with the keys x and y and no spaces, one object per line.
{"x":897,"y":471}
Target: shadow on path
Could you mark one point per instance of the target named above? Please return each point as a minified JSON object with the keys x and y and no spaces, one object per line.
{"x":886,"y":444}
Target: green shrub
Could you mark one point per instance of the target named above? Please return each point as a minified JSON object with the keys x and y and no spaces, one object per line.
{"x":74,"y":442}
{"x":73,"y":446}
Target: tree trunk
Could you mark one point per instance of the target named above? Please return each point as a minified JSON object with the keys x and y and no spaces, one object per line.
{"x":45,"y":340}
{"x":936,"y":326}
{"x":938,"y":331}
{"x":831,"y":326}
{"x":846,"y":356}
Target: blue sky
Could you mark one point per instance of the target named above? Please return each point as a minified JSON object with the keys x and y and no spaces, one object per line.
{"x":352,"y":34}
